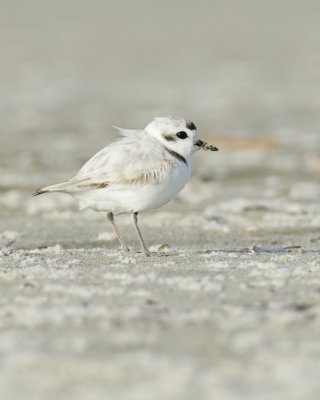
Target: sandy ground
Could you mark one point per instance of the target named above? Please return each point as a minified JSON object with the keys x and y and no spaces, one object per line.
{"x":228,"y":307}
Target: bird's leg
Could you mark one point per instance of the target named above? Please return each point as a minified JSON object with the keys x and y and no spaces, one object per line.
{"x":116,"y":230}
{"x":143,"y":245}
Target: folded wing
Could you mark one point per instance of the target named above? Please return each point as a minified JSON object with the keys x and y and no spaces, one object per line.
{"x":131,"y":160}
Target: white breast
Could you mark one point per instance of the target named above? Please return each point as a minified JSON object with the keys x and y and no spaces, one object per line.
{"x":120,"y":199}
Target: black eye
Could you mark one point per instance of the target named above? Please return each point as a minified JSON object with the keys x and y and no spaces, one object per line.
{"x":182,"y":135}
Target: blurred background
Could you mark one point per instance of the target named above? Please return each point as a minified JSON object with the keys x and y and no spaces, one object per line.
{"x":247,"y":73}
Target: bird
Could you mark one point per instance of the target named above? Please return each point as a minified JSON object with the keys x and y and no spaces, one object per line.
{"x":141,"y":170}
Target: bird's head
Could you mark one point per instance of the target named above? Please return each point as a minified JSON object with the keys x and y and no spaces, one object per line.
{"x":178,"y":135}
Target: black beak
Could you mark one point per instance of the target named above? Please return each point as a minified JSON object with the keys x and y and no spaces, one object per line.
{"x":206,"y":146}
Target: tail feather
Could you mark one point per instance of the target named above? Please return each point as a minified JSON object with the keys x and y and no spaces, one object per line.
{"x":39,"y":191}
{"x":59,"y":187}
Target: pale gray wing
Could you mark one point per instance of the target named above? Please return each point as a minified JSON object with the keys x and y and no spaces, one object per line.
{"x":131,"y":160}
{"x":127,"y":132}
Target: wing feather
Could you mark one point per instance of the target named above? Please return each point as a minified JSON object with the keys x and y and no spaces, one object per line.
{"x":126,"y":132}
{"x":130,"y":160}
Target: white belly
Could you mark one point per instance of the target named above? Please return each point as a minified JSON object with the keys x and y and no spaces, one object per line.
{"x":120,"y":199}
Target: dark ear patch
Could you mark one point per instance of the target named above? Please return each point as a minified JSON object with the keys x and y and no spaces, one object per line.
{"x":190,"y":125}
{"x":170,"y":138}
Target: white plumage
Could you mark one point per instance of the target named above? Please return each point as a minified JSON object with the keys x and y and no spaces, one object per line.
{"x":140,"y":171}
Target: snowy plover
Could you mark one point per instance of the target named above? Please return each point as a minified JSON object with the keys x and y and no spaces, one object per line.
{"x":140,"y":171}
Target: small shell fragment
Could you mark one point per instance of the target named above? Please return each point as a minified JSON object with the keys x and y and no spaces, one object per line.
{"x":206,"y":146}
